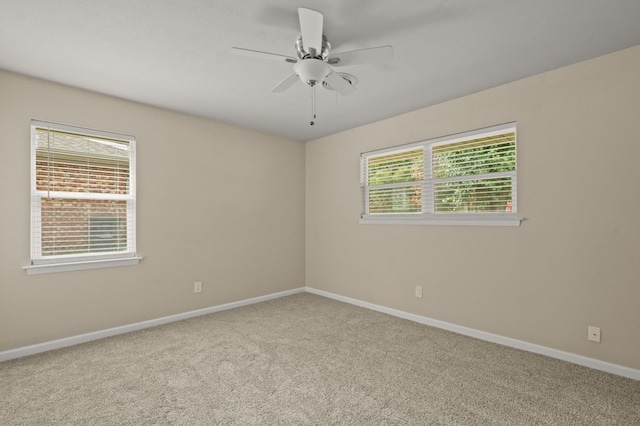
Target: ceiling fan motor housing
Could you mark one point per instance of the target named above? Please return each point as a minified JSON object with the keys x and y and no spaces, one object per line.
{"x":303,"y":53}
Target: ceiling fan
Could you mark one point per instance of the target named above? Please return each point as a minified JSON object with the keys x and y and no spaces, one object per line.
{"x":314,"y":65}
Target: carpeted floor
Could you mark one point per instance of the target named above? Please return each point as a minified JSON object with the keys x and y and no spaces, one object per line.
{"x":306,"y":360}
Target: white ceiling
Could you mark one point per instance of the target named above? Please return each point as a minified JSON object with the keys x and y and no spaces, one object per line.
{"x":177,"y":54}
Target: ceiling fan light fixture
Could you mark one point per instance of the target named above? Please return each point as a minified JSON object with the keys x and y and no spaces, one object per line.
{"x":312,"y":71}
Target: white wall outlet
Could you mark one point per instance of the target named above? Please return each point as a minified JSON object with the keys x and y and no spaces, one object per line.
{"x":419,"y":292}
{"x":594,"y":334}
{"x":197,"y":287}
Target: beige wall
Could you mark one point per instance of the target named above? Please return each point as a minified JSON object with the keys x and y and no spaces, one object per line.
{"x":574,"y":262}
{"x":216,"y":204}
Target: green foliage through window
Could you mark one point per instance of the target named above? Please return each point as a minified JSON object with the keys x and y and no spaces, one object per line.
{"x":392,"y":178}
{"x":480,"y":159}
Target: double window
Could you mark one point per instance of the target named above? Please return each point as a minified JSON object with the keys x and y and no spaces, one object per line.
{"x":467,"y":178}
{"x":82,"y":198}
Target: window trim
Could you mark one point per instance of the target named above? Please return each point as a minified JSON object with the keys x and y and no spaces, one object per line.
{"x":427,"y":216}
{"x":74,"y":262}
{"x":485,"y":220}
{"x":76,"y":265}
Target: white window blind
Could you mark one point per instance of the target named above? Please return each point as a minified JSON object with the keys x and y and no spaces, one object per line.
{"x":466,"y":177}
{"x":83,"y":194}
{"x":394,"y":181}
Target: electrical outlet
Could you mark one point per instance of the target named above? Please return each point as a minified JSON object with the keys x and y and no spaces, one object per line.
{"x":197,"y":287}
{"x":594,"y":334}
{"x":419,"y":292}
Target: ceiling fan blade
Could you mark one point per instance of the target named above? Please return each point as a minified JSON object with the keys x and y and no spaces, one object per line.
{"x":286,"y":83}
{"x":264,"y":55}
{"x":311,"y":29}
{"x":372,"y":55}
{"x":339,"y":84}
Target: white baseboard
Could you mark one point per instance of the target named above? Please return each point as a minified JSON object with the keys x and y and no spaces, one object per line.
{"x":490,"y":337}
{"x":88,"y":337}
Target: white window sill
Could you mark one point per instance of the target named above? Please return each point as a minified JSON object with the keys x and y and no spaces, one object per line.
{"x":80,"y":265}
{"x":450,"y":221}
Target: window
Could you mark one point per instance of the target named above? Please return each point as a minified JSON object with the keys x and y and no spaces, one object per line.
{"x":82,"y":199}
{"x":465,"y":179}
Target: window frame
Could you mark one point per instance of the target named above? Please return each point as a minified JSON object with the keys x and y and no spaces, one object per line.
{"x":428,"y":216}
{"x":40,"y":264}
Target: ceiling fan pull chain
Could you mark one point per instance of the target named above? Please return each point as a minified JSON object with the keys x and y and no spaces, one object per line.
{"x":313,"y":105}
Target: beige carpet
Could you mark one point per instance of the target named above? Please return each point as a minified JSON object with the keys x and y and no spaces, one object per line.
{"x":306,"y":360}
